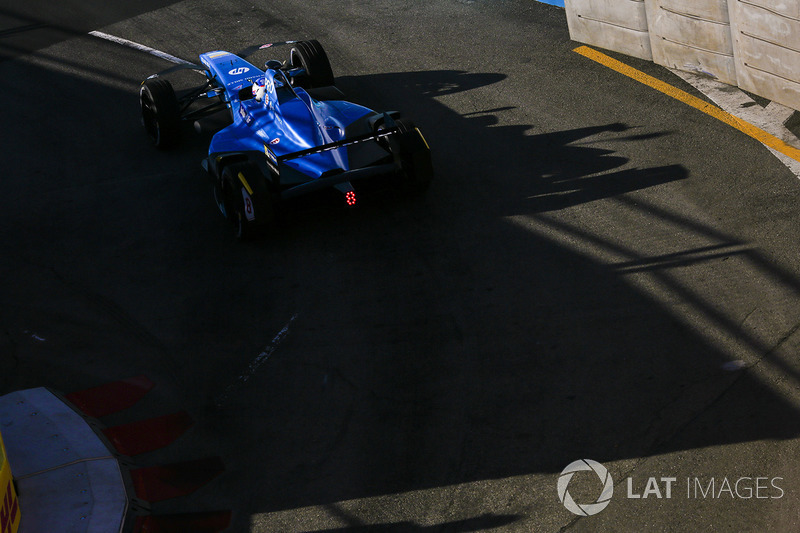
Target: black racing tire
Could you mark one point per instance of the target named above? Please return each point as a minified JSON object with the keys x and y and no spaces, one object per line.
{"x":161,"y":113}
{"x":252,"y":212}
{"x":312,"y":58}
{"x":413,"y":156}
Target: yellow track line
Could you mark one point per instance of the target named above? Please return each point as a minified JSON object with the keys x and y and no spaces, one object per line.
{"x":710,"y":109}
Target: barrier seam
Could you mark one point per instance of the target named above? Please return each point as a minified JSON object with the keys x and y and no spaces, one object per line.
{"x":610,"y":23}
{"x":773,"y":11}
{"x":716,"y":52}
{"x":748,"y":65}
{"x":696,"y":17}
{"x":762,"y":39}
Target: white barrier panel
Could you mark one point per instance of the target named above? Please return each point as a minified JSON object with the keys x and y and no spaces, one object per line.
{"x":692,"y":35}
{"x":619,"y":25}
{"x":754,"y":44}
{"x":767,"y":36}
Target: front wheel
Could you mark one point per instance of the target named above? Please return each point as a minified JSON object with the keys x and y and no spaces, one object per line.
{"x":161,"y":113}
{"x":311,"y":57}
{"x":248,"y":201}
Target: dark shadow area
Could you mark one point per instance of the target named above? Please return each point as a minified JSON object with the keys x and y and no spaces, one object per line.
{"x":497,"y":353}
{"x":435,"y":343}
{"x":560,"y":171}
{"x":586,"y":177}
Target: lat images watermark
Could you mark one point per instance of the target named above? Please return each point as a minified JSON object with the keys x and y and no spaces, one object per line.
{"x":586,"y":509}
{"x":693,"y":487}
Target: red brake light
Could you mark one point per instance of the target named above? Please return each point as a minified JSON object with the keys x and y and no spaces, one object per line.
{"x":350,"y":198}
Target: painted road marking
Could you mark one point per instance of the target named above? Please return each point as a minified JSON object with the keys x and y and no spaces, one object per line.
{"x":736,"y":102}
{"x":760,"y":135}
{"x":141,"y":47}
{"x":257,"y":361}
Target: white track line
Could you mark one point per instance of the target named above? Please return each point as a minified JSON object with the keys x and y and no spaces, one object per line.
{"x":140,"y":47}
{"x":256,"y":362}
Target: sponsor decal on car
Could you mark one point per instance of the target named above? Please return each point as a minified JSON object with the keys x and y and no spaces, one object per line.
{"x":238,"y":71}
{"x":272,"y":161}
{"x":270,"y":155}
{"x":247,"y":117}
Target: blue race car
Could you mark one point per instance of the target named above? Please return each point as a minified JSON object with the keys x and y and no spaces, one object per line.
{"x":282,"y":132}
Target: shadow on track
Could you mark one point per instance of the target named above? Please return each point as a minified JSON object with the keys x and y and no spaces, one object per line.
{"x":436,"y":342}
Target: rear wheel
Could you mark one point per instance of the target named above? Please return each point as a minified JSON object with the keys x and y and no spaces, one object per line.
{"x":413,"y":156}
{"x":161,"y":113}
{"x":310,"y":56}
{"x":248,"y":201}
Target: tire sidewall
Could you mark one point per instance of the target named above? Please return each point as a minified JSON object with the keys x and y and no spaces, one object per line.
{"x":234,"y":199}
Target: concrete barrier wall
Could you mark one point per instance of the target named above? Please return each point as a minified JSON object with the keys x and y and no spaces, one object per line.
{"x":692,"y":35}
{"x":767,"y":38}
{"x":619,"y":25}
{"x":751,"y":43}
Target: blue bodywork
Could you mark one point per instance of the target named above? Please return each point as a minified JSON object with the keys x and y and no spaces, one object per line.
{"x":282,"y":132}
{"x":285,"y":123}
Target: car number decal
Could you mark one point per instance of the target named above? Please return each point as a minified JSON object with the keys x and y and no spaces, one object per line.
{"x":248,"y":206}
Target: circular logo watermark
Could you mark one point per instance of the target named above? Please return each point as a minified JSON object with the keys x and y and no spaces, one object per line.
{"x":585,"y":509}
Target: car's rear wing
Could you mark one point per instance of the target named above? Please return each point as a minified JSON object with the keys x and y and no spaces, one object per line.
{"x":340,"y":177}
{"x":339,"y":144}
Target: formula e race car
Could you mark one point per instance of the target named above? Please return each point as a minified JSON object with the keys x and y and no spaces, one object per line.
{"x":282,"y":132}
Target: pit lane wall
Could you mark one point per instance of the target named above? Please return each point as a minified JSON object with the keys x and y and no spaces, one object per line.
{"x":754,"y":44}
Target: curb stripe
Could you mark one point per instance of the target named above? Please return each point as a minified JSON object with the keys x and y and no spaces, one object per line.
{"x":148,"y":435}
{"x":111,"y":397}
{"x":159,"y":483}
{"x":709,"y":109}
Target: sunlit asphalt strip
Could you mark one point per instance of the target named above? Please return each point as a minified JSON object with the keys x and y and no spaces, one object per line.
{"x":140,"y":47}
{"x":745,"y":127}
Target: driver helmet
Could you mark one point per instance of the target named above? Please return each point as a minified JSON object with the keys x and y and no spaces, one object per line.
{"x":259,"y":86}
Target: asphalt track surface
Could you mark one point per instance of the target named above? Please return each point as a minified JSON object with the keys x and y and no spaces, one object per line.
{"x":598,"y":271}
